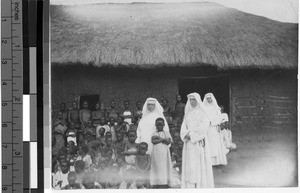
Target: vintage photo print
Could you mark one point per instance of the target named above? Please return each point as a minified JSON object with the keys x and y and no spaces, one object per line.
{"x":173,"y":94}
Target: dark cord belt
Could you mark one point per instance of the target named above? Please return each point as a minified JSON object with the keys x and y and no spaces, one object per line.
{"x":202,"y":142}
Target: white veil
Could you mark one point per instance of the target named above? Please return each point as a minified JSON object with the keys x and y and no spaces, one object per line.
{"x":189,"y":108}
{"x":214,"y":101}
{"x":146,"y":126}
{"x":158,"y":108}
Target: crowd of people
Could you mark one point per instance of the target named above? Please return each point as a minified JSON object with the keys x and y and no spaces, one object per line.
{"x":152,"y":146}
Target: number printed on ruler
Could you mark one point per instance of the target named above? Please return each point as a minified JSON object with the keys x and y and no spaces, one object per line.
{"x":12,"y":94}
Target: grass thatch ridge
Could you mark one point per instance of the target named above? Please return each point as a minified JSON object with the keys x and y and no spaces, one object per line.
{"x":151,"y":35}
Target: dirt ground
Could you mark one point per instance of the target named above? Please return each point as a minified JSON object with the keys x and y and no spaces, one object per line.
{"x":266,"y":159}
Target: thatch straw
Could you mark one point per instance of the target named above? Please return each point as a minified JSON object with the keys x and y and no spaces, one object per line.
{"x":149,"y":35}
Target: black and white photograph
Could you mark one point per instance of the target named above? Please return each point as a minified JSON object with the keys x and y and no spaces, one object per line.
{"x":173,"y":94}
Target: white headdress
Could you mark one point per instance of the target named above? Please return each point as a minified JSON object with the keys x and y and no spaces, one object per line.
{"x":158,"y":108}
{"x":188,"y":106}
{"x":214,"y":101}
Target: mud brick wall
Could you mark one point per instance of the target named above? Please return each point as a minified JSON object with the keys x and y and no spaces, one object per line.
{"x":70,"y":83}
{"x":264,"y":101}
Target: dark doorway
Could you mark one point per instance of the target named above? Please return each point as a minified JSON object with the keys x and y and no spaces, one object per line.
{"x":91,"y":99}
{"x":218,"y":85}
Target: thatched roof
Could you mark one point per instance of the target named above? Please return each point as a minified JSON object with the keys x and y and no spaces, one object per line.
{"x":179,"y":34}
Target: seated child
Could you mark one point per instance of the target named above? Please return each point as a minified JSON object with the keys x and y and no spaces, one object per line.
{"x":102,"y":173}
{"x":161,"y":165}
{"x":176,"y":137}
{"x":143,"y":163}
{"x":60,"y":178}
{"x":85,"y":114}
{"x":177,"y":156}
{"x":127,"y":114}
{"x":72,"y":153}
{"x":134,"y":125}
{"x":88,"y":138}
{"x":72,"y":182}
{"x":72,"y":133}
{"x":88,"y":182}
{"x":112,"y":122}
{"x":172,"y":129}
{"x":140,"y":182}
{"x":108,"y":134}
{"x":103,"y":123}
{"x":101,"y":137}
{"x":73,"y":116}
{"x":97,"y":113}
{"x":113,"y":178}
{"x":119,"y":146}
{"x":109,"y":142}
{"x":121,"y":126}
{"x":131,"y":149}
{"x":79,"y":169}
{"x":84,"y":156}
{"x":107,"y":155}
{"x":128,"y":181}
{"x":90,"y":128}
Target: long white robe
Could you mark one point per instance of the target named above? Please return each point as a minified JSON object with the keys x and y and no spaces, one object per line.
{"x":215,"y":138}
{"x":147,"y":127}
{"x":196,"y":161}
{"x":226,"y":134}
{"x":161,"y":165}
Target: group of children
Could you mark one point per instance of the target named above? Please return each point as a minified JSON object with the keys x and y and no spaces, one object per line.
{"x":95,"y":148}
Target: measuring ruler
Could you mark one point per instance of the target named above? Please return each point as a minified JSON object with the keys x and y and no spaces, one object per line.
{"x":12,"y":94}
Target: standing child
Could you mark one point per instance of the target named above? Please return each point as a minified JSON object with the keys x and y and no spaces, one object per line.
{"x":112,"y":111}
{"x":225,"y":130}
{"x":73,"y":115}
{"x":127,"y":114}
{"x":97,"y":113}
{"x":119,"y":146}
{"x":178,"y":111}
{"x":64,"y":111}
{"x":131,"y":149}
{"x":143,"y":163}
{"x":167,"y":110}
{"x":59,"y":131}
{"x":85,"y":114}
{"x":161,"y":165}
{"x":138,"y":112}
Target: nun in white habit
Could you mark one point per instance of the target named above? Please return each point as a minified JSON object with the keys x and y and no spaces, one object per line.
{"x":196,"y":161}
{"x":217,"y":147}
{"x":146,"y":127}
